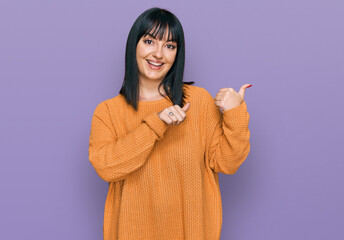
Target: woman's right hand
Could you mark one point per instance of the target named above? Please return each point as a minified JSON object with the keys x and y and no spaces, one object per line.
{"x":178,"y":114}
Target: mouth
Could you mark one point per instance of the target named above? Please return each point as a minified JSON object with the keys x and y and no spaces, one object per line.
{"x":155,"y":66}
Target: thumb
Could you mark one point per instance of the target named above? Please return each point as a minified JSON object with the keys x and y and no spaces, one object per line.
{"x":243,"y":88}
{"x":186,"y":106}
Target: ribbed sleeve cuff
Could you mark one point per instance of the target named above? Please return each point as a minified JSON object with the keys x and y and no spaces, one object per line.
{"x":156,"y":124}
{"x":237,"y":116}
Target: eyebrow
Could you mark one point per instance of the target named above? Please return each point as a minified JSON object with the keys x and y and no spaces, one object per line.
{"x":155,"y":38}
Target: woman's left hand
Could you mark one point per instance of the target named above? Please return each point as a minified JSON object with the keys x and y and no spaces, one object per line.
{"x":228,"y":98}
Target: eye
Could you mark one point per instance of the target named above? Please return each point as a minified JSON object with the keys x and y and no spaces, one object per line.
{"x":171,"y":46}
{"x":145,"y":41}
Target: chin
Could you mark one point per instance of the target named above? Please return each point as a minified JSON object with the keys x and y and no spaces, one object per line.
{"x":155,"y":77}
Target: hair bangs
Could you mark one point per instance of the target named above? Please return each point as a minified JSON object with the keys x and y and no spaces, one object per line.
{"x":158,"y":28}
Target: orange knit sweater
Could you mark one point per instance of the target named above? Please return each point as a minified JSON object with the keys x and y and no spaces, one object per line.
{"x":163,"y":179}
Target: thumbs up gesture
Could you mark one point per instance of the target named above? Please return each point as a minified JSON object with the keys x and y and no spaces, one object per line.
{"x":174,"y":115}
{"x":228,"y":98}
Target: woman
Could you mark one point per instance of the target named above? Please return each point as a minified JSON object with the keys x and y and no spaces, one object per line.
{"x":161,"y":156}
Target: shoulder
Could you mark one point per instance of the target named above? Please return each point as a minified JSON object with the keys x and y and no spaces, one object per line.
{"x":104,"y":106}
{"x":199,"y":93}
{"x":196,"y":91}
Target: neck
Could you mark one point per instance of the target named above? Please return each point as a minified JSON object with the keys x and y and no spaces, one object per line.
{"x":149,"y":89}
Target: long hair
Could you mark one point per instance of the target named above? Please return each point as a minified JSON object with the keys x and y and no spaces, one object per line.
{"x":159,"y":19}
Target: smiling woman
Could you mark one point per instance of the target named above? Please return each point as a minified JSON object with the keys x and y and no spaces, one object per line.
{"x":160,"y":156}
{"x":155,"y":69}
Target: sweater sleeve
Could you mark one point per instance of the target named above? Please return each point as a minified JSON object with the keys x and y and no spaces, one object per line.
{"x":113,"y":157}
{"x":227,"y":136}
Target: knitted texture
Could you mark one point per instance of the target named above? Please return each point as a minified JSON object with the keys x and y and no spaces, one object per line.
{"x":163,"y":179}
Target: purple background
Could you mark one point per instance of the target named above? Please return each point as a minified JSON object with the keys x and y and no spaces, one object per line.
{"x":59,"y":59}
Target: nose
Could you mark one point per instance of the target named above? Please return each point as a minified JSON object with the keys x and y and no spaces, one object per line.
{"x":158,"y":51}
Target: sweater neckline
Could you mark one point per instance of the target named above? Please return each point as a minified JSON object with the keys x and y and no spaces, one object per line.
{"x":154,"y":101}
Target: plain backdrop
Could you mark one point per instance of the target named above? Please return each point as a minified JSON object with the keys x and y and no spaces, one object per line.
{"x":60,"y":59}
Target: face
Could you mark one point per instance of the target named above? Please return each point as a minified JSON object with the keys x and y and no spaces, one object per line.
{"x":156,"y":52}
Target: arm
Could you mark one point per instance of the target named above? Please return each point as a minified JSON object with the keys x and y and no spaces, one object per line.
{"x":115,"y":158}
{"x":227,"y":136}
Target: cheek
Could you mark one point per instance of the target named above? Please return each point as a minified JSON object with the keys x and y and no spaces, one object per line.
{"x":172,"y":58}
{"x":141,"y":51}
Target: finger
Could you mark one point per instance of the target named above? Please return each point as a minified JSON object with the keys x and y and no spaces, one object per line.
{"x":172,"y":118}
{"x":176,"y":117}
{"x":186,"y":107}
{"x":243,"y":89}
{"x":180,"y":111}
{"x":219,"y":96}
{"x":217,"y":103}
{"x":225,"y":89}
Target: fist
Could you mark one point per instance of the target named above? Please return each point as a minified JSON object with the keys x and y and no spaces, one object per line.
{"x":174,"y":115}
{"x":228,"y":98}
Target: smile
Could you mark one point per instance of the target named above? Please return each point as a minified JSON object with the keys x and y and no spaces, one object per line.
{"x":154,"y":65}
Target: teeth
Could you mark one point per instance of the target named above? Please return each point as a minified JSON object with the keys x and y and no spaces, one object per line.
{"x":155,"y":64}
